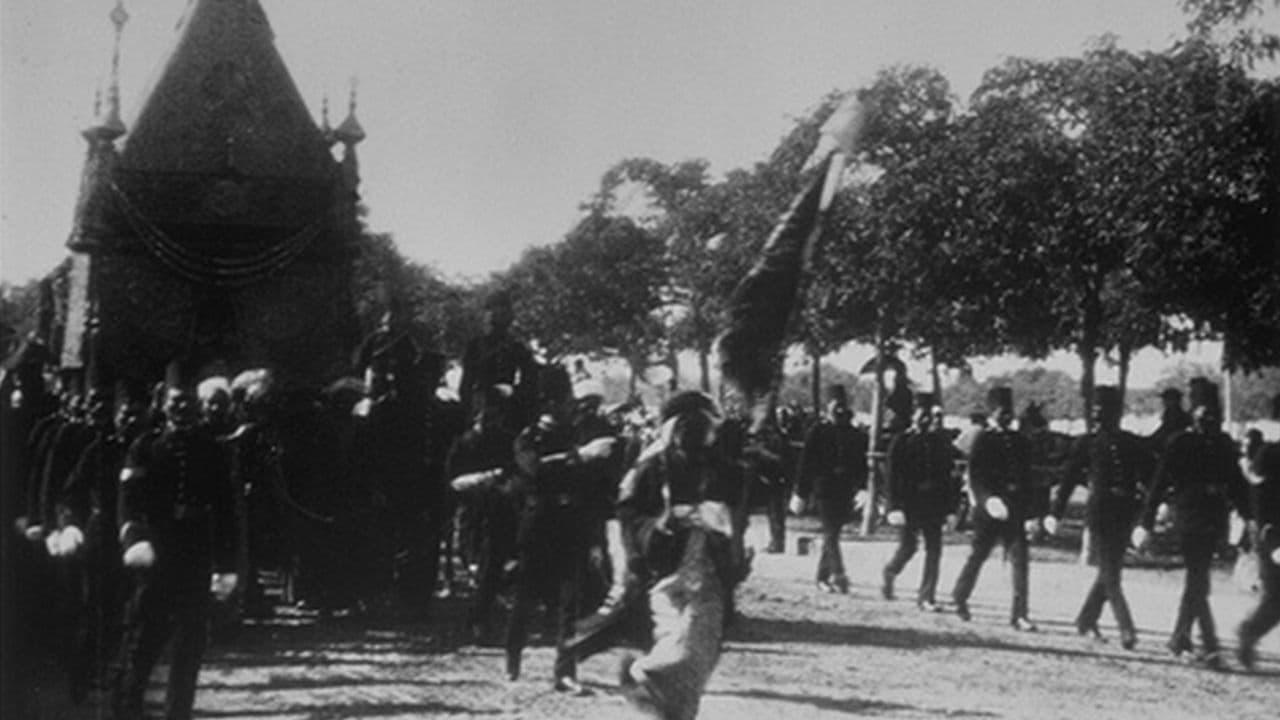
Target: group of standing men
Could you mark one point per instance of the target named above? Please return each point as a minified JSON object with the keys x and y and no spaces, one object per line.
{"x":1190,"y":465}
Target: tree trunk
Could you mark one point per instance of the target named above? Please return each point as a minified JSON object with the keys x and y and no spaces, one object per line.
{"x":937,"y":379}
{"x":1126,"y":356}
{"x":636,"y":368}
{"x":673,"y":364}
{"x":815,"y":381}
{"x":1088,"y":352}
{"x":704,"y":368}
{"x":877,"y":400}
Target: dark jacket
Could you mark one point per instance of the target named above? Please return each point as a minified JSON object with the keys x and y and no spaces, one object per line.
{"x":833,"y":463}
{"x":1000,"y":466}
{"x":1116,"y":467}
{"x":175,"y":491}
{"x":1200,"y":474}
{"x":920,"y":479}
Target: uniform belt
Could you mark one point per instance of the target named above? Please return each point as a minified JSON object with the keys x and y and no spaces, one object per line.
{"x":563,"y":498}
{"x":185,"y":511}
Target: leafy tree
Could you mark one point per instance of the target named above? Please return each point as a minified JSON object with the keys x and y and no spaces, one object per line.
{"x":596,"y":292}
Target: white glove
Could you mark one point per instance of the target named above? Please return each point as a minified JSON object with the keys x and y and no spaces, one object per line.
{"x":1139,"y":537}
{"x":53,"y":543}
{"x":597,"y":449}
{"x":796,"y":506}
{"x":35,"y":533}
{"x":897,"y":518}
{"x":223,"y":584}
{"x":71,"y":539}
{"x":1051,"y":524}
{"x":475,"y":480}
{"x":1235,"y":528}
{"x":860,"y":500}
{"x":1275,"y":556}
{"x":1163,"y":513}
{"x":953,"y":521}
{"x":140,"y":555}
{"x":996,"y":508}
{"x":1031,"y":527}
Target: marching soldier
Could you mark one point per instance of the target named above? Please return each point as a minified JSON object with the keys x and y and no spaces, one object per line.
{"x":86,"y":511}
{"x":921,"y":496}
{"x":1000,"y":478}
{"x":1200,"y":471}
{"x":480,"y":464}
{"x":554,"y":527}
{"x":176,"y":527}
{"x":1265,"y":466}
{"x":832,"y":469}
{"x":1114,"y":463}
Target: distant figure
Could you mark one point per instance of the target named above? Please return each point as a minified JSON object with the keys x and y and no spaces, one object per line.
{"x":964,"y":442}
{"x":1264,"y":466}
{"x":921,"y":496}
{"x":832,"y":469}
{"x":1000,"y":475}
{"x":1199,"y":470}
{"x":1173,"y":419}
{"x":497,"y":358}
{"x":1114,"y":464}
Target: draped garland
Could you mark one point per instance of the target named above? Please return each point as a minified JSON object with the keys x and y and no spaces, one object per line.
{"x":209,"y":269}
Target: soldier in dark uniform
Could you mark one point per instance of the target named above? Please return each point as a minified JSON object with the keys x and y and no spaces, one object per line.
{"x":552,"y":473}
{"x":1173,"y":419}
{"x":832,"y":468}
{"x":1200,"y":469}
{"x":496,"y":358}
{"x":921,"y":496}
{"x":1000,"y":479}
{"x":1115,"y":464}
{"x":481,"y":464}
{"x":177,"y":527}
{"x":86,"y":511}
{"x":1264,"y":464}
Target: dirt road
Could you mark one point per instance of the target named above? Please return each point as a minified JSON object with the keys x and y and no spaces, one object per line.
{"x":794,"y":653}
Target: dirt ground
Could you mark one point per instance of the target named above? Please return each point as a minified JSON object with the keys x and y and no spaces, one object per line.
{"x":795,"y":652}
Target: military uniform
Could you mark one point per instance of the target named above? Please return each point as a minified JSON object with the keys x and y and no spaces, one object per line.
{"x":552,"y":539}
{"x":1266,"y":514}
{"x":921,"y":487}
{"x":999,"y":470}
{"x":88,"y":502}
{"x":175,"y":492}
{"x":1200,"y":472}
{"x":497,"y":358}
{"x":832,"y":469}
{"x":1115,"y":464}
{"x":492,"y":510}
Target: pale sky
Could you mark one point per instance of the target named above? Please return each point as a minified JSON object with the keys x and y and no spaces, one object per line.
{"x":490,"y":122}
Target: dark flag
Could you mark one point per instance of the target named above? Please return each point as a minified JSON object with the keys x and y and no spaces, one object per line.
{"x":763,"y":302}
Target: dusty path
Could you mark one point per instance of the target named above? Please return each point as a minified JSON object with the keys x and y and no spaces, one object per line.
{"x":795,"y":654}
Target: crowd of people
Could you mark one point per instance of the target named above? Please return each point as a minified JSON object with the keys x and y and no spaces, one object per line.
{"x":138,"y":511}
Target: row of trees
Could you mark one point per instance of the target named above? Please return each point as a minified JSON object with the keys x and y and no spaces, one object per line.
{"x":1099,"y":204}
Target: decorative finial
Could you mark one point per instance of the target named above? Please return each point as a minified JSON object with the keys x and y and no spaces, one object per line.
{"x":350,"y":132}
{"x":326,"y":130}
{"x":111,"y":126}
